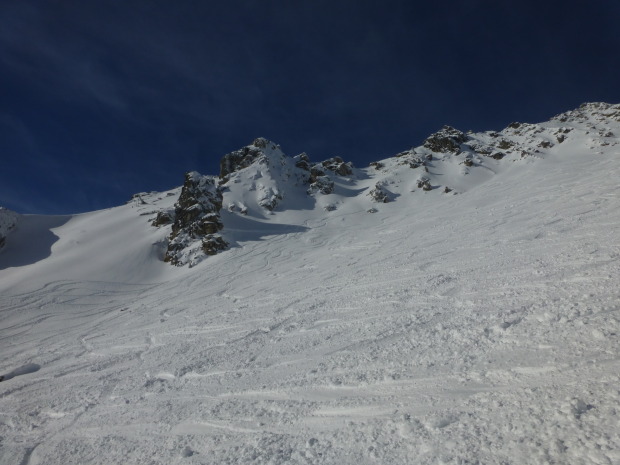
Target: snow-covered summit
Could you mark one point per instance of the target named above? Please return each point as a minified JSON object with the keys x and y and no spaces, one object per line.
{"x":260,"y":182}
{"x":255,"y":182}
{"x":258,"y":178}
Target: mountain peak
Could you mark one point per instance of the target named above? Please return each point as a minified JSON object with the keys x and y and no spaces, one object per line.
{"x":258,"y":180}
{"x":245,"y":156}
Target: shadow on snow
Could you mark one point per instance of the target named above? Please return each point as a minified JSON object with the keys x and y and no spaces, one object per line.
{"x":31,"y":241}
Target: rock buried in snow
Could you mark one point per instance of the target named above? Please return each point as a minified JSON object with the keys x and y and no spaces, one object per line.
{"x":424,"y":184}
{"x":338,"y":166}
{"x":322,"y":184}
{"x":378,"y":194}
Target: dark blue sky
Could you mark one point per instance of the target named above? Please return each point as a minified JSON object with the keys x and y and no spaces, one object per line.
{"x":102,"y":99}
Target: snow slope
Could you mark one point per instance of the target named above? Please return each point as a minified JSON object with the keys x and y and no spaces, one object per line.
{"x":8,"y":222}
{"x":472,"y":328}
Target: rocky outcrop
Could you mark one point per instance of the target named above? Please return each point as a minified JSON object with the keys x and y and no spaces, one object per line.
{"x":425,"y":184}
{"x":379,"y":195}
{"x":302,"y":161}
{"x":409,"y":157}
{"x":259,"y":180}
{"x":242,"y":158}
{"x":163,"y":218}
{"x":338,"y":166}
{"x":196,"y":221}
{"x":322,"y":184}
{"x":319,"y":173}
{"x":262,"y":177}
{"x":446,"y":140}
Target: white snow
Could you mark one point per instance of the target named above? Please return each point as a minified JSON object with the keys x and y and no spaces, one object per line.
{"x":472,"y":328}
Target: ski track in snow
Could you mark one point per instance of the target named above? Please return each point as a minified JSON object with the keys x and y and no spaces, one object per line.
{"x":479,"y":328}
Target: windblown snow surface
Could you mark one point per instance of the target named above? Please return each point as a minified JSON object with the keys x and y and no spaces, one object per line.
{"x":481,"y":327}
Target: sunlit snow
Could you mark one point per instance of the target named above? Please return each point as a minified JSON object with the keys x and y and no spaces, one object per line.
{"x":480,"y":327}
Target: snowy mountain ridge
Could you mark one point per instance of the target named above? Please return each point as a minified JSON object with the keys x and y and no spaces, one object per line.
{"x":259,"y":180}
{"x":313,"y":322}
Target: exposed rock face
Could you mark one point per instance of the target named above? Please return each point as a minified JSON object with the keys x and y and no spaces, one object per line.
{"x":316,"y":171}
{"x":196,"y":221}
{"x":213,"y":243}
{"x":322,"y":184}
{"x":447,"y":140}
{"x":379,"y":195}
{"x":338,"y":166}
{"x":8,"y":222}
{"x":163,"y":218}
{"x":424,"y":184}
{"x":200,"y":201}
{"x":260,"y":180}
{"x":302,"y":161}
{"x":241,"y":158}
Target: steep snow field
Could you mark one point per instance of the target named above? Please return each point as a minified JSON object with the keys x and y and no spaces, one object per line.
{"x":481,"y":327}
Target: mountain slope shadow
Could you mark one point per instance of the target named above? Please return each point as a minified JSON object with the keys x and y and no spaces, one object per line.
{"x":31,"y":241}
{"x":241,"y":229}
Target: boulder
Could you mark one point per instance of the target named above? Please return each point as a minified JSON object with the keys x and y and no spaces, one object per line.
{"x":424,"y":184}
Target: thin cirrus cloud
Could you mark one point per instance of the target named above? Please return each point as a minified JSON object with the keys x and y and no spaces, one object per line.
{"x":130,"y":94}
